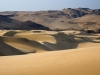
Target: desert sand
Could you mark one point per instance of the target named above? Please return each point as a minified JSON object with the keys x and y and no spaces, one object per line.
{"x":49,"y":53}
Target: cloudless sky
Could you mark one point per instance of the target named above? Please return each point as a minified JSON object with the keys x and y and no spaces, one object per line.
{"x":38,"y":5}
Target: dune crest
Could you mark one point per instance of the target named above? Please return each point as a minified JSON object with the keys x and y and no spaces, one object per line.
{"x":49,"y":53}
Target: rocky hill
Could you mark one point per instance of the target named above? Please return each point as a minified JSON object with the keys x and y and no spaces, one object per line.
{"x":7,"y":23}
{"x":77,"y":18}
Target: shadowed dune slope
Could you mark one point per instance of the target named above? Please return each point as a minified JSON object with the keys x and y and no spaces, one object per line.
{"x":25,"y":45}
{"x":10,"y":33}
{"x":6,"y":50}
{"x":70,"y":41}
{"x":60,"y":40}
{"x":40,"y":37}
{"x":84,"y":61}
{"x":34,"y":42}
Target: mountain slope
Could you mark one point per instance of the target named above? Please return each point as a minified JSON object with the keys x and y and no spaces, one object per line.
{"x":70,"y":18}
{"x":7,"y":23}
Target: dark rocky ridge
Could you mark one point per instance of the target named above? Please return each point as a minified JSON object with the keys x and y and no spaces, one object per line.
{"x":7,"y":23}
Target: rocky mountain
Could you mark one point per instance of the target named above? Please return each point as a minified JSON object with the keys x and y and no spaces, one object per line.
{"x":70,"y":18}
{"x":5,"y":19}
{"x":7,"y":23}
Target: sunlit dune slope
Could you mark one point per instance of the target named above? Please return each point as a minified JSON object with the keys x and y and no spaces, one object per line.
{"x":84,"y":61}
{"x":23,"y":44}
{"x":42,"y":41}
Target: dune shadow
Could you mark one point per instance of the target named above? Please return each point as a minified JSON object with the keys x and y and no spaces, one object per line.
{"x":7,"y":50}
{"x":65,"y":41}
{"x":39,"y":45}
{"x":10,"y":33}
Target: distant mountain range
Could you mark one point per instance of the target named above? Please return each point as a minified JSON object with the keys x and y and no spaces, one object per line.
{"x":7,"y":24}
{"x":77,"y":18}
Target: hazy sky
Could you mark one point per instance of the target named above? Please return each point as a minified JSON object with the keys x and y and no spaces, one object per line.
{"x":36,"y":5}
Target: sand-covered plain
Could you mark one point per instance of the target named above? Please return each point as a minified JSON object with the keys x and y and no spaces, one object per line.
{"x":49,"y":53}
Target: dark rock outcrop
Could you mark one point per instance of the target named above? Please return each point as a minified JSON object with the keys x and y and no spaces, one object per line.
{"x":7,"y":24}
{"x":90,"y":31}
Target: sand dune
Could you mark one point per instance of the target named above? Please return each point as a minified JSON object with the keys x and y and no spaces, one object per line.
{"x":9,"y":50}
{"x":40,"y":52}
{"x":49,"y":53}
{"x":85,"y":61}
{"x":37,"y":37}
{"x":10,"y":33}
{"x":41,"y":41}
{"x":23,"y":44}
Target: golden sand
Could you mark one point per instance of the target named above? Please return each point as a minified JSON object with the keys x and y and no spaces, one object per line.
{"x":31,"y":53}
